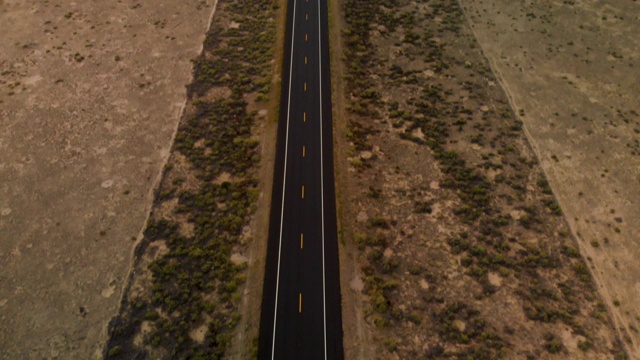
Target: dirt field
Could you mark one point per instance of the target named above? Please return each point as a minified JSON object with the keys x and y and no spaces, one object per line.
{"x":90,"y":97}
{"x":454,"y":244}
{"x":572,"y":67}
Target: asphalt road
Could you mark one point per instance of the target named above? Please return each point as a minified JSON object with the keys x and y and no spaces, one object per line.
{"x":301,"y":310}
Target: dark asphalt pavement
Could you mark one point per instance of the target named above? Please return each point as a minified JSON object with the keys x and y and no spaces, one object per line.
{"x":301,"y":309}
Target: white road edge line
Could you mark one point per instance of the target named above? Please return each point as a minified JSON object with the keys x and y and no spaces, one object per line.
{"x":284,"y":181}
{"x":324,"y":296}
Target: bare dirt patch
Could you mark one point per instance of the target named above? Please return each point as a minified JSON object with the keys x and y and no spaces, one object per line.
{"x":90,"y":96}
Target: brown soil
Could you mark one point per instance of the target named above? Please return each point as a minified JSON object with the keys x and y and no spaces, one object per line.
{"x":572,"y":67}
{"x":195,"y":291}
{"x":453,"y":243}
{"x":90,"y":97}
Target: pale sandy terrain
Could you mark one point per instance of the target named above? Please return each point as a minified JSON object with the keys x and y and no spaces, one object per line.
{"x":90,"y":96}
{"x":572,"y":67}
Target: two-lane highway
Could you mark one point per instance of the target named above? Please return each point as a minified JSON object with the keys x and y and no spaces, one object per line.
{"x":301,"y":309}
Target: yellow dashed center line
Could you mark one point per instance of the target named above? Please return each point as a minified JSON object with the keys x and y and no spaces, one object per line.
{"x":304,"y":116}
{"x":301,"y":240}
{"x":305,"y":60}
{"x":304,"y":151}
{"x":305,"y":86}
{"x":300,"y":303}
{"x":306,"y":37}
{"x":303,"y":191}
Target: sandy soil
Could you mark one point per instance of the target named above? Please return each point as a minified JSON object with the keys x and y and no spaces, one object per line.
{"x":205,"y":303}
{"x":90,"y":96}
{"x":453,"y":245}
{"x":572,"y":66}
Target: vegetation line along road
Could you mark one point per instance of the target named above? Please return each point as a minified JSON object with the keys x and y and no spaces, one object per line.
{"x":182,"y":300}
{"x":462,"y":246}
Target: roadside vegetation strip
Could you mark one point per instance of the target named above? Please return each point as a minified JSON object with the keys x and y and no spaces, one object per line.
{"x":182,"y":301}
{"x":415,"y":85}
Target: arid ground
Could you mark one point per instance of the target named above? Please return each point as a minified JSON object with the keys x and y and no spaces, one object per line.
{"x":90,"y":96}
{"x":487,"y":160}
{"x":195,"y":291}
{"x":485,"y":215}
{"x":572,"y":67}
